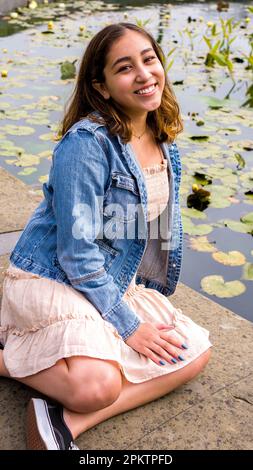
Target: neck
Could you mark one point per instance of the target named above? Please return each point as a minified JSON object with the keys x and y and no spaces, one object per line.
{"x":139,"y":124}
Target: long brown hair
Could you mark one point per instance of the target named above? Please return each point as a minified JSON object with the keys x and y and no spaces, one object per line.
{"x":165,"y":121}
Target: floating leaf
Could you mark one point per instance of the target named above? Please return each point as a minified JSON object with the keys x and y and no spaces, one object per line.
{"x":232,"y":258}
{"x":248,"y":271}
{"x":27,"y":171}
{"x":194,"y":213}
{"x":201,"y":244}
{"x":68,"y":70}
{"x":191,"y":229}
{"x":248,"y":218}
{"x":200,"y":137}
{"x":17,"y":130}
{"x":240,"y":160}
{"x":43,"y":179}
{"x":237,"y":226}
{"x":215,"y":285}
{"x":49,"y":136}
{"x":201,"y":178}
{"x":27,"y":160}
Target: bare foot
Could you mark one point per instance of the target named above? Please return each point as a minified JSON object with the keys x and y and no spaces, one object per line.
{"x":3,"y":371}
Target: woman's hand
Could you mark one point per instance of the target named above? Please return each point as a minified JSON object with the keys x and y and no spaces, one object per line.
{"x":157,"y":342}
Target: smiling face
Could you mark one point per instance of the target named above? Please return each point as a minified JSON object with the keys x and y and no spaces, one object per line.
{"x":134,"y":76}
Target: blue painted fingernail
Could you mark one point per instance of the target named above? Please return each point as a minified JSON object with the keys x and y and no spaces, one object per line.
{"x":181,"y":358}
{"x":162,"y":363}
{"x":174,"y":360}
{"x":185,"y":346}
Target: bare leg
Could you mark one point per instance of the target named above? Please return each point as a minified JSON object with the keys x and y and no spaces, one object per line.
{"x":134,"y":395}
{"x":3,"y":371}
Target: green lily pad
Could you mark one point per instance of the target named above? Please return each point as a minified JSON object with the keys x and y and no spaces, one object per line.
{"x":237,"y":226}
{"x":17,"y":130}
{"x":191,"y":229}
{"x":27,"y":171}
{"x":232,"y":258}
{"x":248,"y":272}
{"x":215,"y":285}
{"x":201,"y":244}
{"x":48,"y":136}
{"x":194,"y":213}
{"x":43,"y":179}
{"x":200,"y":138}
{"x":27,"y":160}
{"x":68,"y":70}
{"x":248,"y":218}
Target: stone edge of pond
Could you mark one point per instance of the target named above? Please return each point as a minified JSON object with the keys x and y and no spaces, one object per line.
{"x":18,"y":200}
{"x":183,"y":419}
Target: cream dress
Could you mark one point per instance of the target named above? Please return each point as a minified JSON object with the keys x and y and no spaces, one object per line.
{"x":43,"y":320}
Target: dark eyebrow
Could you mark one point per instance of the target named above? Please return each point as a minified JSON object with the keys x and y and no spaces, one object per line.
{"x":122,"y":59}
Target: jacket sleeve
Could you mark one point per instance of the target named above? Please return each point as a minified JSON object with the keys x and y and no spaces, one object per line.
{"x":80,"y":174}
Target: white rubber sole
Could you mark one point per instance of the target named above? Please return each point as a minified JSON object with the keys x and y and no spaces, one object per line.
{"x":40,"y":434}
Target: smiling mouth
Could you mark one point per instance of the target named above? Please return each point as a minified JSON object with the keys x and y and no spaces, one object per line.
{"x":146,"y":91}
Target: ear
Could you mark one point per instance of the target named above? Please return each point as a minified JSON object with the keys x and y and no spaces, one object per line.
{"x":101,"y":88}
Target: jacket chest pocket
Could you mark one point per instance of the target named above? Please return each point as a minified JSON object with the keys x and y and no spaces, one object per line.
{"x":121,"y":204}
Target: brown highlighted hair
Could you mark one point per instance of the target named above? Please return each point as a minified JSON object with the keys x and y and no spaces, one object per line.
{"x":165,"y":121}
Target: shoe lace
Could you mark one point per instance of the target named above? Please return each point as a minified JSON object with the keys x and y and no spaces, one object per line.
{"x":73,"y":446}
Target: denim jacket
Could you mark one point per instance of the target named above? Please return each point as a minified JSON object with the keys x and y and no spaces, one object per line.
{"x":95,"y":184}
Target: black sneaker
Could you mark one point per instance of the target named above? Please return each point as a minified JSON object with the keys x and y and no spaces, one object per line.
{"x":46,"y":428}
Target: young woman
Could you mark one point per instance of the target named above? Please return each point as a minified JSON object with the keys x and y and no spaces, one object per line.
{"x":85,"y":317}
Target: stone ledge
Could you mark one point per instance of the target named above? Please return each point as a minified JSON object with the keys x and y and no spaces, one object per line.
{"x":17,"y":202}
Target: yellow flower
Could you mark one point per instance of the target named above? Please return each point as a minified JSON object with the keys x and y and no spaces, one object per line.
{"x":195,"y":188}
{"x":209,"y":24}
{"x":166,"y":17}
{"x":4,"y":73}
{"x":50,"y":25}
{"x":247,"y":20}
{"x":32,"y":5}
{"x":5,"y":51}
{"x":81,"y":28}
{"x":14,"y":14}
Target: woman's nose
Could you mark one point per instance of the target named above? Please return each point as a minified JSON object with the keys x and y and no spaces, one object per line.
{"x":142,"y":74}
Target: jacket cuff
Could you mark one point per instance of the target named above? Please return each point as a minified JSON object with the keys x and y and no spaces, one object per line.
{"x":124,"y":319}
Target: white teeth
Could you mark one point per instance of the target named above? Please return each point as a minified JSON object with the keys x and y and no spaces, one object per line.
{"x":146,"y":90}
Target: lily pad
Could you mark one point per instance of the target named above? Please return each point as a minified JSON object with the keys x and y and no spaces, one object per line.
{"x":232,"y":258}
{"x":248,"y":218}
{"x":194,"y":213}
{"x":27,"y":171}
{"x":17,"y":130}
{"x":202,"y":244}
{"x":237,"y":226}
{"x":215,"y":285}
{"x":248,"y":272}
{"x":43,"y":179}
{"x":191,"y":229}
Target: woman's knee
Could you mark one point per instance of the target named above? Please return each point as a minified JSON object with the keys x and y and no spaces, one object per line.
{"x":94,"y":390}
{"x":200,"y":363}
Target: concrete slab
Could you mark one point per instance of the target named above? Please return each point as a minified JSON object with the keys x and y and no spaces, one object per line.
{"x":221,"y":422}
{"x":18,"y":201}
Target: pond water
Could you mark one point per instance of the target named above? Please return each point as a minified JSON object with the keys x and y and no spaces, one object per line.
{"x":216,"y":145}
